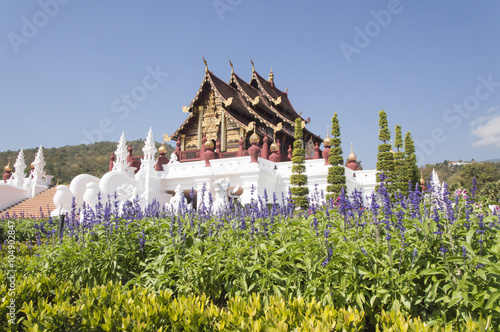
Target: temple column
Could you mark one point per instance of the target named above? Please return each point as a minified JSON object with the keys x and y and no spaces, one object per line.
{"x":183,"y":142}
{"x":223,"y":133}
{"x":200,"y":125}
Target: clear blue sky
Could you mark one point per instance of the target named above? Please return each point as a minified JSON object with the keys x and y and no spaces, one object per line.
{"x":434,"y":66}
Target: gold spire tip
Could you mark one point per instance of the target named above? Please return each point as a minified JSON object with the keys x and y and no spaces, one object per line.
{"x":8,"y":168}
{"x":205,"y":62}
{"x":231,"y":64}
{"x":271,"y":75}
{"x":253,"y":66}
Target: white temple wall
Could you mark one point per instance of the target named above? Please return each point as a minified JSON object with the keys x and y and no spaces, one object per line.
{"x":10,"y":195}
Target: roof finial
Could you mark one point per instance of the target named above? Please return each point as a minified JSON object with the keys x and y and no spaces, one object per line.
{"x":352,"y":157}
{"x":231,"y":64}
{"x":253,"y":67}
{"x":286,"y":91}
{"x":205,"y":62}
{"x":8,"y":168}
{"x":271,"y":75}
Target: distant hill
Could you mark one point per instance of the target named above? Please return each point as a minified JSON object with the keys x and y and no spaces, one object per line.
{"x":66,"y":162}
{"x":461,"y":176}
{"x":492,"y":160}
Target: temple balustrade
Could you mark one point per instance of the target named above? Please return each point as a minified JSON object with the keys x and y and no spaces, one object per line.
{"x":195,"y":155}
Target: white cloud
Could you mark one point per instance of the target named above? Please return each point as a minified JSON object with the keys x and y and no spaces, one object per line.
{"x":491,"y":110}
{"x":487,"y":129}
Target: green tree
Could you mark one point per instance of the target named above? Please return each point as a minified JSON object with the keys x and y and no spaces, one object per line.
{"x":484,"y":173}
{"x":336,"y":177}
{"x":411,"y":160}
{"x":298,"y":179}
{"x":491,"y":191}
{"x":385,"y":158}
{"x":400,"y":174}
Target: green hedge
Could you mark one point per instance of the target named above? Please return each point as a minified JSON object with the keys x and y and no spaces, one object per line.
{"x":44,"y":303}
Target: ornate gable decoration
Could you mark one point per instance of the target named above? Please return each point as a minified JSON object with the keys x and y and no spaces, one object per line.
{"x":211,"y":121}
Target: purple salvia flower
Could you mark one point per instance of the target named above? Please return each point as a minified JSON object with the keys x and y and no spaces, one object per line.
{"x":142,"y":240}
{"x":473,"y":189}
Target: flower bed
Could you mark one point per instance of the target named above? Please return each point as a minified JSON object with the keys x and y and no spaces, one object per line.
{"x":432,"y":257}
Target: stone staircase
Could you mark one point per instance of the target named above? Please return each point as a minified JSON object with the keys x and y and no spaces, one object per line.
{"x":30,"y":208}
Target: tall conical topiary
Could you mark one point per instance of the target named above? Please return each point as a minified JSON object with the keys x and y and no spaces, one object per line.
{"x":298,"y":179}
{"x":400,"y":177}
{"x":411,"y":160}
{"x":385,"y":158}
{"x":336,"y":177}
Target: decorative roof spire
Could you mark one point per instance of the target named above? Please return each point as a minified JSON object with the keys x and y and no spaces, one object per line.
{"x":352,"y":156}
{"x":149,"y":150}
{"x":20,"y":164}
{"x":162,"y":149}
{"x":271,"y":75}
{"x":231,"y":64}
{"x":39,"y":159}
{"x":205,"y":62}
{"x":120,"y":164}
{"x":254,"y":138}
{"x":8,"y":168}
{"x":253,"y":66}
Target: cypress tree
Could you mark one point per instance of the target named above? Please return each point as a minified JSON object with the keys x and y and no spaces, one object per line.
{"x":400,"y":173}
{"x":336,"y":177}
{"x":411,"y":160}
{"x":385,"y":158}
{"x":298,"y":179}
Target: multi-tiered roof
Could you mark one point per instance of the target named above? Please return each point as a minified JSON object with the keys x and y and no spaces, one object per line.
{"x":258,"y":106}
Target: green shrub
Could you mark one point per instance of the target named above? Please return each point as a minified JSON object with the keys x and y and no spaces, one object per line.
{"x":298,"y":179}
{"x":336,"y":177}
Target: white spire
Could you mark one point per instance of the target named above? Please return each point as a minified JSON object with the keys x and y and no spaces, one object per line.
{"x":120,"y":164}
{"x":39,"y":179}
{"x":149,"y":148}
{"x":39,"y":162}
{"x":20,"y":165}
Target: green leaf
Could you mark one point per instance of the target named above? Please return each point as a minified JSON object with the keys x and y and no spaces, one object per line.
{"x":469,"y":236}
{"x":280,"y":251}
{"x":427,"y":272}
{"x":481,"y":273}
{"x":492,"y":301}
